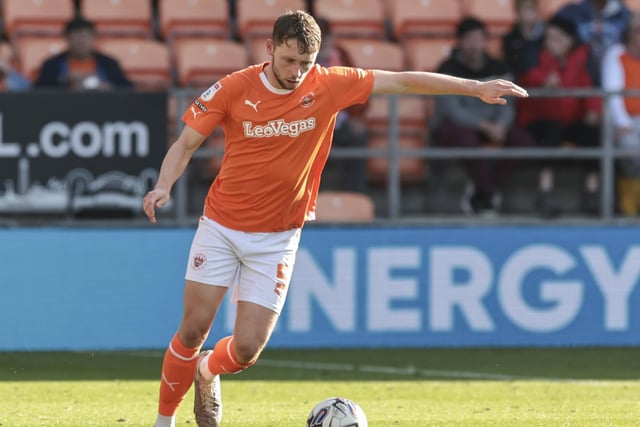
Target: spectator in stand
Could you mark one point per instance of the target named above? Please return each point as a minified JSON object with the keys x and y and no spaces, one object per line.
{"x":523,"y":43}
{"x":620,"y":71}
{"x":350,"y":130}
{"x":570,"y":120}
{"x":10,"y":79}
{"x":81,"y":66}
{"x":600,"y":24}
{"x":459,"y":122}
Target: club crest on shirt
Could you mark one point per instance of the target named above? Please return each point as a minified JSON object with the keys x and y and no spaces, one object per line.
{"x":208,"y":94}
{"x":307,"y":100}
{"x":199,"y":260}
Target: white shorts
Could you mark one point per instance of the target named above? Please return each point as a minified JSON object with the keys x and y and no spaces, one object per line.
{"x":258,"y":265}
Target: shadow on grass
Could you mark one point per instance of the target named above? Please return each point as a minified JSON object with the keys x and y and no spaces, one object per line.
{"x":468,"y":364}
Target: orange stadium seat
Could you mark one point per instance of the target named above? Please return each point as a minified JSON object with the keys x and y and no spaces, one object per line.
{"x":179,"y":18}
{"x":634,"y":5}
{"x":426,"y":54}
{"x":258,"y":51}
{"x":200,"y":62}
{"x":255,"y":17}
{"x":353,"y":18}
{"x":344,"y":206}
{"x":36,"y":17}
{"x":412,"y":114}
{"x":32,"y":51}
{"x":420,"y":18}
{"x":499,"y":15}
{"x":374,"y":54}
{"x":549,"y":7}
{"x":130,"y":18}
{"x":412,"y":170}
{"x":145,"y":61}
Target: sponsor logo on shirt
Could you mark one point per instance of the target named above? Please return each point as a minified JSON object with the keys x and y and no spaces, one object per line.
{"x":278,"y":128}
{"x":208,"y":94}
{"x":200,"y":106}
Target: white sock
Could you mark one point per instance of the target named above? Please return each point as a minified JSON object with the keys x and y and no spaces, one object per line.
{"x":164,"y":421}
{"x":591,"y":183}
{"x":203,"y":368}
{"x":546,"y":180}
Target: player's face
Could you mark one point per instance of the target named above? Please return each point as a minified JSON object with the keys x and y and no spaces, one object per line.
{"x":288,"y":65}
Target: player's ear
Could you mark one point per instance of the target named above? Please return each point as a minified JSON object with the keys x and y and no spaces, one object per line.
{"x":270,"y":47}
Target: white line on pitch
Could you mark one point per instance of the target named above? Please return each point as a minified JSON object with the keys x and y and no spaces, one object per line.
{"x":391,"y":370}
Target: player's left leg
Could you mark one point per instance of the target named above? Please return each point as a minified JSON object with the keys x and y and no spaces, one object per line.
{"x":267,"y":263}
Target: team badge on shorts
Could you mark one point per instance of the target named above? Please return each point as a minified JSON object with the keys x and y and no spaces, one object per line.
{"x":307,"y":100}
{"x":199,"y":260}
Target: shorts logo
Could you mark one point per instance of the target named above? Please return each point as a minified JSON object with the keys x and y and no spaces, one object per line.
{"x":199,"y":260}
{"x":307,"y":100}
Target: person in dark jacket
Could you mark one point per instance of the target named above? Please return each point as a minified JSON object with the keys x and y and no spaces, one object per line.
{"x":81,"y":66}
{"x":523,"y":43}
{"x":460,"y":122}
{"x":558,"y":121}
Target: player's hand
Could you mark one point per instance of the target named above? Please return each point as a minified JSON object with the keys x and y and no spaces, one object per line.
{"x":155,"y":198}
{"x":492,"y":92}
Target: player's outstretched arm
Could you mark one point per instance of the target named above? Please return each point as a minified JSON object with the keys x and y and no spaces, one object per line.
{"x":416,"y":82}
{"x":173,"y":165}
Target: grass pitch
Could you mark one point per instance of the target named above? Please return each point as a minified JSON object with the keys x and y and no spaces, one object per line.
{"x":395,"y":387}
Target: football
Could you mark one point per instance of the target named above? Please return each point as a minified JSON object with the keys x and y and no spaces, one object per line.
{"x":337,"y":412}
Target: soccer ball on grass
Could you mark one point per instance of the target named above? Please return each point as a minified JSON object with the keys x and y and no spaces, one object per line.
{"x":337,"y":412}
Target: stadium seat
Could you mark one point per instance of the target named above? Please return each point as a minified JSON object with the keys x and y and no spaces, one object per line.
{"x":374,"y":54}
{"x":412,"y":169}
{"x":344,"y":206}
{"x":255,"y":17}
{"x":36,"y":17}
{"x":200,"y":62}
{"x":549,"y":7}
{"x":420,"y":18}
{"x":129,"y":18}
{"x":353,"y":18}
{"x":426,"y":54}
{"x":412,"y":114}
{"x":499,"y":15}
{"x":180,"y":18}
{"x":8,"y":54}
{"x":634,"y":5}
{"x":145,"y":61}
{"x":32,"y":51}
{"x":258,"y":51}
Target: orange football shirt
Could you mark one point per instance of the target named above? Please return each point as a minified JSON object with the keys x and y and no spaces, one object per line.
{"x":631,"y":67}
{"x":276,"y":143}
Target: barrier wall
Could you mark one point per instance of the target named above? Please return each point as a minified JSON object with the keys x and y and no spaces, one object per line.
{"x":352,"y":287}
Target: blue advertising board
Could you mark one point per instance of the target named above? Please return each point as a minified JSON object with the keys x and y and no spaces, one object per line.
{"x":351,"y":287}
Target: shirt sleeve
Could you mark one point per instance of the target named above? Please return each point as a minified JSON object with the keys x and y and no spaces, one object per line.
{"x":613,"y":80}
{"x":349,"y":86}
{"x":209,"y":109}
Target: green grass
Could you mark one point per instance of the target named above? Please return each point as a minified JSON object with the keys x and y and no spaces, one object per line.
{"x":397,"y":387}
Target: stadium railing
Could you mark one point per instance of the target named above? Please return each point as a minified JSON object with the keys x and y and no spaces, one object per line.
{"x":607,"y":153}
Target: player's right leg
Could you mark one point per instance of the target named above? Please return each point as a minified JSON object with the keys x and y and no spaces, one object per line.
{"x":213,"y":267}
{"x":201,"y":303}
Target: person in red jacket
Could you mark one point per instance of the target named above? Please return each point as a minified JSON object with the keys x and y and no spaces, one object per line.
{"x":562,"y":121}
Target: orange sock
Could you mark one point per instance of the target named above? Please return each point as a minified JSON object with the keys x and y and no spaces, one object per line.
{"x":223,"y":359}
{"x":178,"y":368}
